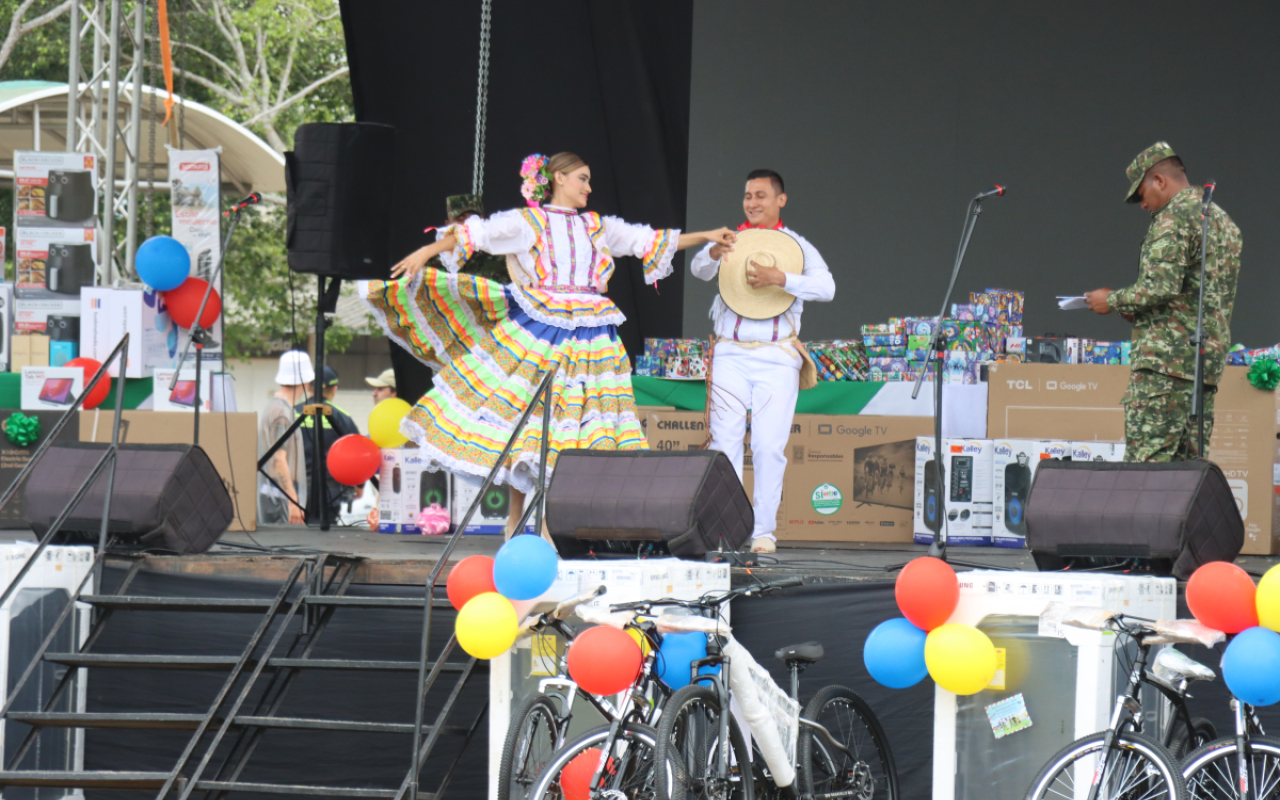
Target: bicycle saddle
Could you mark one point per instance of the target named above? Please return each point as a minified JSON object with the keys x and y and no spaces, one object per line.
{"x":1173,"y":667}
{"x":806,"y":653}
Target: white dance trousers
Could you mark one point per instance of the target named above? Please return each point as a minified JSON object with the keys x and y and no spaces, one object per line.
{"x":765,"y":380}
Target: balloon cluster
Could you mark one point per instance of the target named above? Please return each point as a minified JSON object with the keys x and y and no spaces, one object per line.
{"x":1222,"y":596}
{"x":164,"y":264}
{"x":354,"y":459}
{"x":482,"y":589}
{"x":900,"y":652}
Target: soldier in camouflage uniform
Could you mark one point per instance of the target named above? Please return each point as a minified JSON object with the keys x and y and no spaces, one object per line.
{"x":458,"y":207}
{"x":1162,"y":307}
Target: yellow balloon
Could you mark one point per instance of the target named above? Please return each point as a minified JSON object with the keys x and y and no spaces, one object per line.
{"x":641,"y":640}
{"x":960,"y":658}
{"x":1268,"y":599}
{"x":487,"y":625}
{"x":384,"y":422}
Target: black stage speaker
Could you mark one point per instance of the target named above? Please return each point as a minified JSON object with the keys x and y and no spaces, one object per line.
{"x":339,"y":178}
{"x":1017,"y":488}
{"x":683,"y":502}
{"x":932,"y":520}
{"x":166,"y":496}
{"x":1173,"y":517}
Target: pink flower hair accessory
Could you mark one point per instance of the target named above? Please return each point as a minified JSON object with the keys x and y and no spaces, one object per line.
{"x":535,"y":184}
{"x":434,"y":520}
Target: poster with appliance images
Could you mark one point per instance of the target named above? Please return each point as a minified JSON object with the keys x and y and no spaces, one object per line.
{"x":196,"y":198}
{"x":54,"y":262}
{"x":54,"y":190}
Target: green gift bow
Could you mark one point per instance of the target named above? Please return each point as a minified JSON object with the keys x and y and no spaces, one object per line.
{"x":23,"y":430}
{"x":1265,"y":374}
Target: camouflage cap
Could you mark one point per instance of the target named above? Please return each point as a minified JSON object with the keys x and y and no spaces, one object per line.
{"x":459,"y":204}
{"x":1146,"y":160}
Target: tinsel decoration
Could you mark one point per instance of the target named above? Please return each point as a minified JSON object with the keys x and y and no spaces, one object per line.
{"x":23,"y":430}
{"x":1265,"y":374}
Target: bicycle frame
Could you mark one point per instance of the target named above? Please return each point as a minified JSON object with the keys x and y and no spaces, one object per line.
{"x":1128,"y":701}
{"x":1176,"y":696}
{"x":1246,"y":723}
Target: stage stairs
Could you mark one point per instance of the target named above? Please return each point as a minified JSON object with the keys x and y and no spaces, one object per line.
{"x":223,"y":739}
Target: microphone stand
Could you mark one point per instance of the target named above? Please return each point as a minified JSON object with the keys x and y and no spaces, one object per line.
{"x":1198,"y":340}
{"x":200,"y":337}
{"x":938,"y":351}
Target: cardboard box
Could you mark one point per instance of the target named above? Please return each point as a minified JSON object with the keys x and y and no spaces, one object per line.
{"x":1083,"y":404}
{"x":31,"y":314}
{"x":230,"y":440}
{"x":107,"y":314}
{"x":49,"y":388}
{"x":1097,"y":451}
{"x":832,"y":491}
{"x":182,"y":398}
{"x":6,"y":320}
{"x":967,"y":466}
{"x":491,"y":516}
{"x":13,"y":459}
{"x":55,"y":262}
{"x":389,"y":491}
{"x":1014,"y":463}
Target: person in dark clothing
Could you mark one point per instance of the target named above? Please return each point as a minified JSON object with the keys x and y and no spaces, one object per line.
{"x":336,"y":425}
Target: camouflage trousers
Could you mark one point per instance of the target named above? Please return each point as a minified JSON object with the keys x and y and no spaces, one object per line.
{"x":1157,"y":417}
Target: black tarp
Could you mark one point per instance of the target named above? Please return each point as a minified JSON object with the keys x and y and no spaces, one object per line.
{"x":609,"y":81}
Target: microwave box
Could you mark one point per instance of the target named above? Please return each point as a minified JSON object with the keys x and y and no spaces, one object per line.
{"x":182,"y":397}
{"x":50,"y":388}
{"x":967,"y":499}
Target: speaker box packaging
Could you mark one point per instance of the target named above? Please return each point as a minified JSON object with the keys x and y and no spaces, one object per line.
{"x":1013,"y":468}
{"x":50,"y":388}
{"x":390,"y":480}
{"x":1097,"y":451}
{"x":419,"y":488}
{"x":967,"y":497}
{"x":230,"y":441}
{"x":1081,"y":403}
{"x":491,"y":516}
{"x":849,"y":478}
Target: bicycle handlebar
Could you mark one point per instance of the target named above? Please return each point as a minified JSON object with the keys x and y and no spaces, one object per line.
{"x":709,"y":600}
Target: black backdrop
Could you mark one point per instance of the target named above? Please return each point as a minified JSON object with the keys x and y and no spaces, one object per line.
{"x":886,"y":116}
{"x":609,"y":81}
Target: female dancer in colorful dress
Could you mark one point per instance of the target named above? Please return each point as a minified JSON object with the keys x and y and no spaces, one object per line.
{"x":492,"y":344}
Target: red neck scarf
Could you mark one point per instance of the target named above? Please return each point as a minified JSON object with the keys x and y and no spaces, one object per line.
{"x":777,"y":226}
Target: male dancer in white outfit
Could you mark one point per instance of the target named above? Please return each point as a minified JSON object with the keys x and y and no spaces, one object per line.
{"x":756,"y":364}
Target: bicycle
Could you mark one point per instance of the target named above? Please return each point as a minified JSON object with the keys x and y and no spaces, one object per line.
{"x":707,"y":751}
{"x":1241,"y":767}
{"x":1120,"y":762}
{"x":626,"y":764}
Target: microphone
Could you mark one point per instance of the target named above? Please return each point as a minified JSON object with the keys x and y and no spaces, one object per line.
{"x":252,"y":199}
{"x":1208,"y":192}
{"x":995,"y":191}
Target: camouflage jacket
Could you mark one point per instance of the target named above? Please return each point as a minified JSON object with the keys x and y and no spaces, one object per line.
{"x":1163,"y":301}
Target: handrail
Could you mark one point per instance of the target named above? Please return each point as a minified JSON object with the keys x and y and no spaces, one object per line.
{"x":544,"y":392}
{"x":121,"y":352}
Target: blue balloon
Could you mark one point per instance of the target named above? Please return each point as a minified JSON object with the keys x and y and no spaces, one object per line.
{"x":894,"y":654}
{"x":163,"y":263}
{"x":525,"y":567}
{"x":677,"y":653}
{"x":1251,"y":666}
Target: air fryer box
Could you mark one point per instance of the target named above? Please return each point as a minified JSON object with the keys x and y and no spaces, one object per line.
{"x":182,"y":397}
{"x":45,"y":315}
{"x":71,"y":252}
{"x":54,"y":189}
{"x":50,"y":388}
{"x":967,"y":465}
{"x":1014,"y":463}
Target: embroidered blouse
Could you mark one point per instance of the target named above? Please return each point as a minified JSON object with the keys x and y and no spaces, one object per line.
{"x":562,"y":259}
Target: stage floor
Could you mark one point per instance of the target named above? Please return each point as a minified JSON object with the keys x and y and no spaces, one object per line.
{"x":269,"y":552}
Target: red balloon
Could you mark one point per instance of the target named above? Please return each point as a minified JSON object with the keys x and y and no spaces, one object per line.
{"x":1222,"y":596}
{"x":91,"y":367}
{"x":927,"y":592}
{"x":184,"y":302}
{"x":354,"y":459}
{"x":604,"y":660}
{"x":575,"y":778}
{"x":471,"y":576}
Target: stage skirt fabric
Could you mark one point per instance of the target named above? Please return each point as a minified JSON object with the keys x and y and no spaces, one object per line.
{"x":490,"y":356}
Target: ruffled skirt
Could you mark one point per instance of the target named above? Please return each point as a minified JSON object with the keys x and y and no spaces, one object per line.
{"x":490,"y":356}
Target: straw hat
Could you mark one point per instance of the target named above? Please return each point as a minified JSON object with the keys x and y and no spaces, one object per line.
{"x":767,"y":248}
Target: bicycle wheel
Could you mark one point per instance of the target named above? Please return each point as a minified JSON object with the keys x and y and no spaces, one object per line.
{"x":1202,"y":732}
{"x":866,"y":771}
{"x":1136,"y":768}
{"x":689,"y":740}
{"x":1212,"y":772}
{"x":532,"y":740}
{"x":631,"y":773}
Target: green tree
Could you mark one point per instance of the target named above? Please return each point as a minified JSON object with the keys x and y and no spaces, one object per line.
{"x":35,"y":40}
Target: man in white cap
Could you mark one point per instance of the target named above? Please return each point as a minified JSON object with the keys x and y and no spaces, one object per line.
{"x":384,"y":385}
{"x":283,"y":501}
{"x":756,"y":363}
